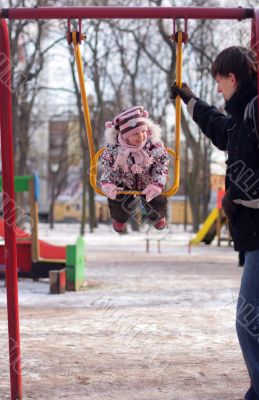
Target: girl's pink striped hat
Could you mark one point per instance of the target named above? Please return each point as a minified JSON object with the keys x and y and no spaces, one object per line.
{"x":130,"y":121}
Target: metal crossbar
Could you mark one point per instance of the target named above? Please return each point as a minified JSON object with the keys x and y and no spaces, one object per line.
{"x":127,"y":12}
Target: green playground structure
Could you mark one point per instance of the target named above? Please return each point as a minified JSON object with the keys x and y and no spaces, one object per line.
{"x":36,"y":257}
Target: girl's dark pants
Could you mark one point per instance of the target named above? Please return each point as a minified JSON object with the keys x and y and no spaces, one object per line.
{"x":124,"y":207}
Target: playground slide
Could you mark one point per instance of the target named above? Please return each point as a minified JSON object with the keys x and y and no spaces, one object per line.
{"x":46,"y":250}
{"x":207,"y":225}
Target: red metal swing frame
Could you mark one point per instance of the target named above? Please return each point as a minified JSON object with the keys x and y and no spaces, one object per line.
{"x":6,"y":125}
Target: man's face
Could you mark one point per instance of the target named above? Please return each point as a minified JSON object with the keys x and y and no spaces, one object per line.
{"x":227,"y":85}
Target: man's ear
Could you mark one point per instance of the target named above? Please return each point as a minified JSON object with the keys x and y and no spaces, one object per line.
{"x":233,"y":79}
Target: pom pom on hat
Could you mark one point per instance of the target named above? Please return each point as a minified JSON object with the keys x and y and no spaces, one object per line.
{"x":108,"y":124}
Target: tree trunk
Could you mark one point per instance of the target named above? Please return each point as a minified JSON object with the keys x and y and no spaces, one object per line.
{"x":92,"y":214}
{"x":85,"y":177}
{"x":195,"y":207}
{"x":51,"y":215}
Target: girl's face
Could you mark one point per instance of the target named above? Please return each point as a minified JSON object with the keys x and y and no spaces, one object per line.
{"x":137,"y":138}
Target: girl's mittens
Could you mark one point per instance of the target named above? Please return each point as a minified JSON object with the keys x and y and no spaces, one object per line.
{"x":152,"y":191}
{"x":110,"y":190}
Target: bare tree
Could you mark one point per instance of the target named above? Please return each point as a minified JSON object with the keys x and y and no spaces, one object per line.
{"x":133,"y":62}
{"x":95,"y":61}
{"x":201,"y":41}
{"x":61,"y":158}
{"x":200,"y":53}
{"x":28,"y":56}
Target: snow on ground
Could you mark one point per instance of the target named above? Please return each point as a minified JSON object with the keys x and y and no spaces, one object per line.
{"x":145,"y":326}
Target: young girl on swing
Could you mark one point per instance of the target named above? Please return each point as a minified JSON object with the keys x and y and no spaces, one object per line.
{"x":135,"y":158}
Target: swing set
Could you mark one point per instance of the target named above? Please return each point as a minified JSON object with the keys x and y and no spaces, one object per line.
{"x":74,"y":37}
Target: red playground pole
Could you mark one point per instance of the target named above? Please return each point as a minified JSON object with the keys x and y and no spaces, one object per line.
{"x":9,"y":213}
{"x":6,"y":126}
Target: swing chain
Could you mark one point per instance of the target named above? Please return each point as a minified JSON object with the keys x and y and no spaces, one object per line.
{"x":75,"y":35}
{"x":174,"y":36}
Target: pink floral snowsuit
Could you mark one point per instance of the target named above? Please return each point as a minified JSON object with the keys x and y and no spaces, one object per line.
{"x":156,"y":173}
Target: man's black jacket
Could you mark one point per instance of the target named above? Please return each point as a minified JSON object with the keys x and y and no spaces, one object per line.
{"x":238,"y":135}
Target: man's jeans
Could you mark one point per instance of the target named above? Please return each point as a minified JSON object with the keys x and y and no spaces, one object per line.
{"x":247,"y":321}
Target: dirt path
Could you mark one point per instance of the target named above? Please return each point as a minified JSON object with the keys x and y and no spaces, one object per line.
{"x":149,"y":327}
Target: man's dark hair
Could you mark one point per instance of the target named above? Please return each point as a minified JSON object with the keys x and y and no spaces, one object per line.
{"x":236,"y":60}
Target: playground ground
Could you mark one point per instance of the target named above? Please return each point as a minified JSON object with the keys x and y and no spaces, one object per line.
{"x":147,"y":327}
